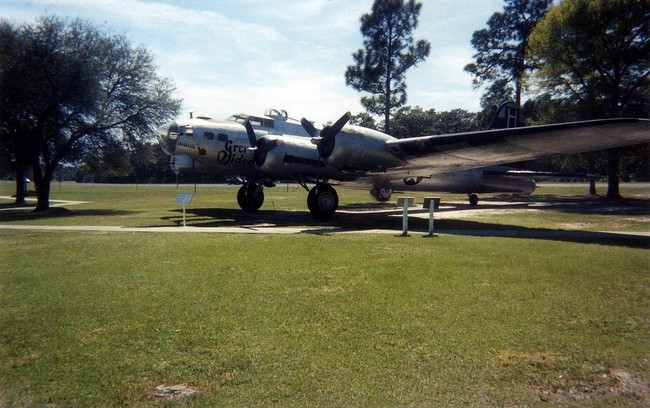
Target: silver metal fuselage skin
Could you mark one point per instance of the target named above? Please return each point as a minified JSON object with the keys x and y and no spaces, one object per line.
{"x":223,"y":147}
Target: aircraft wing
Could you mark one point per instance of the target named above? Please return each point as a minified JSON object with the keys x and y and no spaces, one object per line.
{"x":459,"y":151}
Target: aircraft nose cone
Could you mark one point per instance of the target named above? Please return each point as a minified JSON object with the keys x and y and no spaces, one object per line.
{"x":167,"y":135}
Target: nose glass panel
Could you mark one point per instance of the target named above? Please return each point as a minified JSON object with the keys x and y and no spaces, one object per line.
{"x":167,"y":136}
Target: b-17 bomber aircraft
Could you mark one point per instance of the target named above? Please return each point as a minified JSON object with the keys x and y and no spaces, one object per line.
{"x":263,"y":150}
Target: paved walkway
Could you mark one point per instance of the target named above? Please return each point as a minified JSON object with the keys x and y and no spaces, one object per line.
{"x":53,"y":203}
{"x":446,"y":213}
{"x":642,"y":237}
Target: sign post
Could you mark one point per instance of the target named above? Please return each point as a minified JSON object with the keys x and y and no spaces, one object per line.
{"x":405,"y":202}
{"x":431,"y":203}
{"x":184,"y":199}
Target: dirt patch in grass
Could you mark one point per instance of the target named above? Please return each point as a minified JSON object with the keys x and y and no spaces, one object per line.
{"x":602,"y":385}
{"x":558,"y":379}
{"x":172,"y":392}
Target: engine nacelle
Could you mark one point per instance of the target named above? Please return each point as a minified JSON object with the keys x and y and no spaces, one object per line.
{"x":361,"y":149}
{"x":292,"y":155}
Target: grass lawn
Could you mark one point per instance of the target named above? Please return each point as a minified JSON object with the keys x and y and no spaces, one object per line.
{"x":216,"y":205}
{"x":101,"y":319}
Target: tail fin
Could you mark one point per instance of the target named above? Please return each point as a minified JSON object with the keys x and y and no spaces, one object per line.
{"x":508,"y":116}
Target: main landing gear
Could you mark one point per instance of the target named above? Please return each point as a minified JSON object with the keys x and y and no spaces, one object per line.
{"x":250,"y":196}
{"x":473,"y":199}
{"x":322,"y":199}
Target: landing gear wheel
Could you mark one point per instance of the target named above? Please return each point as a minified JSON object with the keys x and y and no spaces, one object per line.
{"x":473,"y":200}
{"x":250,"y":197}
{"x":381,"y":194}
{"x":322,"y":201}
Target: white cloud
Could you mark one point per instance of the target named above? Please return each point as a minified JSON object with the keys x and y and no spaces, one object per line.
{"x":246,"y":55}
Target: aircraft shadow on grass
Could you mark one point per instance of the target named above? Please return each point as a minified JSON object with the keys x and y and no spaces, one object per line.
{"x":370,"y":216}
{"x":26,"y":213}
{"x":586,"y":204}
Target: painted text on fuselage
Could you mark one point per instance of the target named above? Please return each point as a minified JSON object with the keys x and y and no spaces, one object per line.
{"x":233,"y":153}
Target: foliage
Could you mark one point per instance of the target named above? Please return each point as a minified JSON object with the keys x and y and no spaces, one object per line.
{"x":501,"y":48}
{"x":414,"y":121}
{"x":74,"y":91}
{"x":546,"y":109}
{"x":596,"y":53}
{"x":389,"y":51}
{"x":364,"y":119}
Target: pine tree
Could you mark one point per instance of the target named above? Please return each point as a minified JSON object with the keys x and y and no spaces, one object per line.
{"x":389,"y":51}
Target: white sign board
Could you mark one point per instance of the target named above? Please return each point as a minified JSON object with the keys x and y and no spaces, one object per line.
{"x":184,"y":198}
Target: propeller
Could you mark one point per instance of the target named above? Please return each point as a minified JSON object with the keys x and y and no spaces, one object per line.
{"x":325,"y":139}
{"x":260,"y":146}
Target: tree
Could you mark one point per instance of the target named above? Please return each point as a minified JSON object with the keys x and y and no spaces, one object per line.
{"x":414,"y":121}
{"x":501,"y":48}
{"x":108,"y":164}
{"x":389,"y":52}
{"x":364,"y":119}
{"x":67,"y":89}
{"x":11,"y":153}
{"x":596,"y":54}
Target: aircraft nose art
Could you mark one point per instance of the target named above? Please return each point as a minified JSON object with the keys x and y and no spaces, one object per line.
{"x":167,"y":136}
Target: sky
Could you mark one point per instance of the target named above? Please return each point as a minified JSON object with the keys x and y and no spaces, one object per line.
{"x":230,"y":56}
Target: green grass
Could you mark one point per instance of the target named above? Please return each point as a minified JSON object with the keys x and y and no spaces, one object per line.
{"x":100,"y":319}
{"x":154,"y":206}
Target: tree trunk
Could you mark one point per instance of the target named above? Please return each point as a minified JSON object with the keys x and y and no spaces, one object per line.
{"x":518,"y":92}
{"x":612,"y":174}
{"x":20,"y":187}
{"x":43,"y":196}
{"x":42,"y":182}
{"x":387,"y":108}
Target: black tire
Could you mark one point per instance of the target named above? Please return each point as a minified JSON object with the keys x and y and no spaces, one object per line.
{"x":322,"y":201}
{"x":473,"y":200}
{"x":250,"y":197}
{"x":382,"y":194}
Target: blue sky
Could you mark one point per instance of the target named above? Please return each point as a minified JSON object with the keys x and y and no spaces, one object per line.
{"x":228,"y":56}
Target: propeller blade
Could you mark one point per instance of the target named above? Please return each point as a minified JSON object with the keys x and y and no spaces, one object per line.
{"x":334,"y":129}
{"x":252,"y":139}
{"x":262,"y":147}
{"x":309,"y":128}
{"x":327,"y":140}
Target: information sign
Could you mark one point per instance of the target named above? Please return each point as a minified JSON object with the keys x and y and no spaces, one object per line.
{"x":184,"y":198}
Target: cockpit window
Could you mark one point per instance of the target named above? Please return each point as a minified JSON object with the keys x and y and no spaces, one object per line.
{"x":237,"y":118}
{"x":255,"y":121}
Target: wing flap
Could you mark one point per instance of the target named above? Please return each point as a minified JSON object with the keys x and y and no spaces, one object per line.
{"x":479,"y":149}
